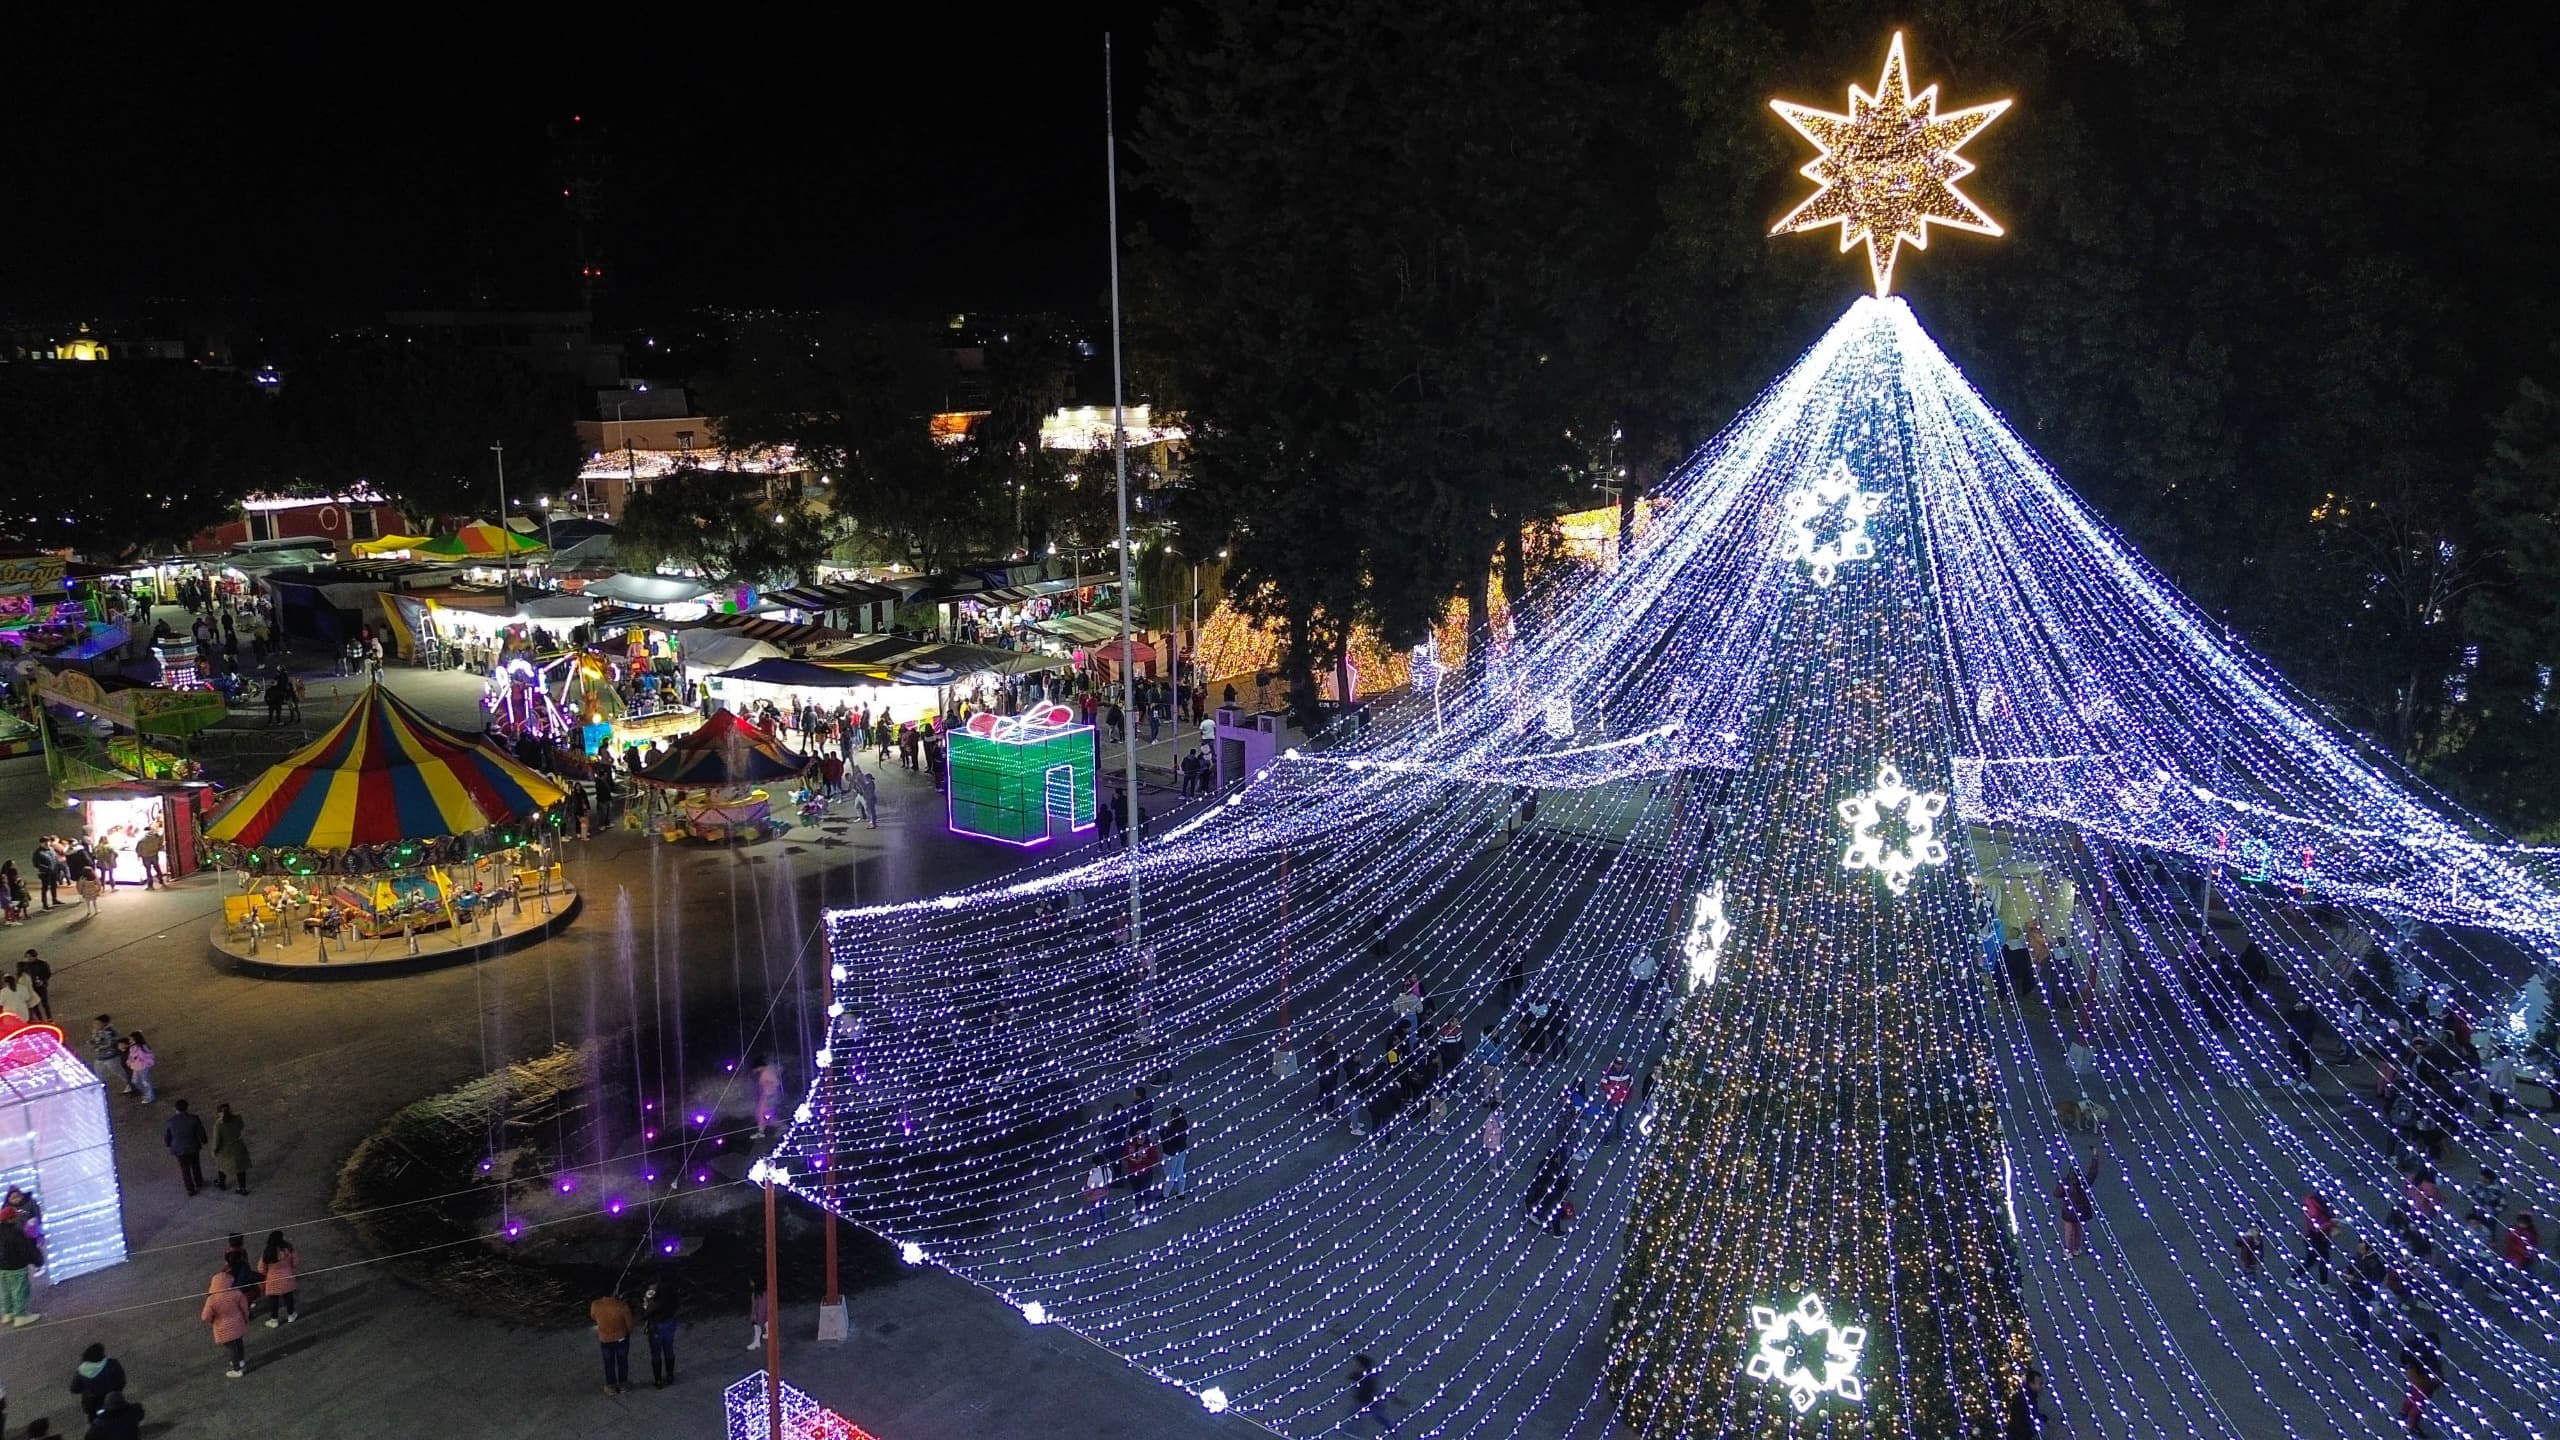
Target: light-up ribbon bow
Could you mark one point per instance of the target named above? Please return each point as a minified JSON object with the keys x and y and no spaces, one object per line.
{"x":1037,"y":723}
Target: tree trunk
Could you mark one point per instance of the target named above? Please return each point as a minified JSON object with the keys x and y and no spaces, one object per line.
{"x":1479,"y":618}
{"x":1515,"y":574}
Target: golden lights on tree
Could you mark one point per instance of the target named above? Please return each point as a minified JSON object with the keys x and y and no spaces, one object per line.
{"x":1888,"y":169}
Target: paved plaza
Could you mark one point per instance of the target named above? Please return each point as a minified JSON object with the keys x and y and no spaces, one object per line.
{"x":316,"y":1066}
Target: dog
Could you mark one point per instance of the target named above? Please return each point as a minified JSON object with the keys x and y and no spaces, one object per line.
{"x":2082,"y":1114}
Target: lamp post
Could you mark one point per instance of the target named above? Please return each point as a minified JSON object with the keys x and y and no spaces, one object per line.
{"x":505,"y":547}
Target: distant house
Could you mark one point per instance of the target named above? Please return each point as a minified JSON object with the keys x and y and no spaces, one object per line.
{"x":335,"y":520}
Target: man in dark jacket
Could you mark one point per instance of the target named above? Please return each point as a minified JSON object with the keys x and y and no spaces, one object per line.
{"x":48,"y":867}
{"x":658,"y":1305}
{"x":184,"y":1136}
{"x":99,"y":1375}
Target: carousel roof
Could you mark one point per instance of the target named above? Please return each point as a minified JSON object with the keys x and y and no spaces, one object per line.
{"x":383,"y":773}
{"x":725,"y":750}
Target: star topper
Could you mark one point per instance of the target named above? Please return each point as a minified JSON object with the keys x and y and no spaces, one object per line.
{"x":1888,"y":169}
{"x":1803,"y":1351}
{"x":1920,"y":811}
{"x":1707,"y":934}
{"x":1810,"y":503}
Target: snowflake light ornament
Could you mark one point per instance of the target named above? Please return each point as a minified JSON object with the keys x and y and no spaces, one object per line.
{"x":1919,"y":810}
{"x":1807,"y":506}
{"x":1802,"y":1351}
{"x":1707,"y":934}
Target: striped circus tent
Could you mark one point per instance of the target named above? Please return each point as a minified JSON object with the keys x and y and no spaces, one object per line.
{"x":724,"y":751}
{"x":478,"y":540}
{"x":383,"y":773}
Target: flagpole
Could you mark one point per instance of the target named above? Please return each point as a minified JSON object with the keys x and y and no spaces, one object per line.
{"x":1120,"y":458}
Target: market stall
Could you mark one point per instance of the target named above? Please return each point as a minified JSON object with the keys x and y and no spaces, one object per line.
{"x":122,"y":813}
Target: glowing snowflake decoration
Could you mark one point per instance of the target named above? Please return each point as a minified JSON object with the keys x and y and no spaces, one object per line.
{"x":1919,"y":810}
{"x":1887,"y":170}
{"x":1805,"y":511}
{"x":1804,"y":1352}
{"x":1707,"y":934}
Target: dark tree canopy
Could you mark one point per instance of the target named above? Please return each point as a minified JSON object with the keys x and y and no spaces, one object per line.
{"x":1379,"y":308}
{"x":723,"y":526}
{"x":2260,"y":295}
{"x":114,"y":457}
{"x":852,"y":403}
{"x":417,"y":423}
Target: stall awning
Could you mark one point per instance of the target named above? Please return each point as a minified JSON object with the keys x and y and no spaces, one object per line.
{"x":839,"y":595}
{"x":646,"y":589}
{"x":1086,"y":630}
{"x":797,"y":674}
{"x":725,"y":650}
{"x":615,"y":619}
{"x":783,"y":634}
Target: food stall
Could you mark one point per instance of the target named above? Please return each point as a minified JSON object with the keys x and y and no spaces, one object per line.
{"x":121,"y":813}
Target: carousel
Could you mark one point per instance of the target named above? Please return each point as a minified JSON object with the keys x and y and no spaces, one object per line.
{"x":718,"y":782}
{"x":389,"y":829}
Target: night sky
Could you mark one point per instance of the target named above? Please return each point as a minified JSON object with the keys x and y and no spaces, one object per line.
{"x":823,"y":164}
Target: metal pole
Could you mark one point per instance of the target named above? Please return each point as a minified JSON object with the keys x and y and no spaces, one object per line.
{"x":1120,"y":458}
{"x":772,"y":1318}
{"x":505,"y":545}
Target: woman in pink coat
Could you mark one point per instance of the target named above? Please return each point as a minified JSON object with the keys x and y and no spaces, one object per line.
{"x":226,"y":1309}
{"x":276,"y":1276}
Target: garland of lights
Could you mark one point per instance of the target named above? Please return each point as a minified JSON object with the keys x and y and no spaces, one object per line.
{"x":1876,"y":1127}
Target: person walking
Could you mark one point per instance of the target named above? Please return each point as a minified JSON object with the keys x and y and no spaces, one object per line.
{"x":2318,"y":1225}
{"x":1493,"y":1132}
{"x":1177,"y":1151}
{"x":48,"y":867}
{"x":19,"y":1253}
{"x":230,"y":1148}
{"x":184,"y":1138}
{"x":2071,"y":1196}
{"x":611,"y":1315}
{"x":1546,"y":1198}
{"x":147,"y":850}
{"x":2023,"y":1418}
{"x":658,"y":1306}
{"x":761,"y":1315}
{"x":142,"y":1062}
{"x":97,"y":1376}
{"x":226,"y":1310}
{"x":1617,"y":1087}
{"x":37,"y":976}
{"x":768,"y":1095}
{"x":107,"y":1054}
{"x":104,"y":856}
{"x":279,"y":1279}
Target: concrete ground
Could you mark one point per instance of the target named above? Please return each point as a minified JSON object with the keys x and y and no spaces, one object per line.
{"x":316,"y":1066}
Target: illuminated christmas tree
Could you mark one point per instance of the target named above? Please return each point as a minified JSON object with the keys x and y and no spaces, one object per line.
{"x":1818,"y":1237}
{"x":1871,"y":678}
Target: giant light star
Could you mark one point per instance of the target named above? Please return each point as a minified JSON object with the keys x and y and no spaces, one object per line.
{"x":1888,"y":169}
{"x":1920,"y":811}
{"x":1786,"y":1335}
